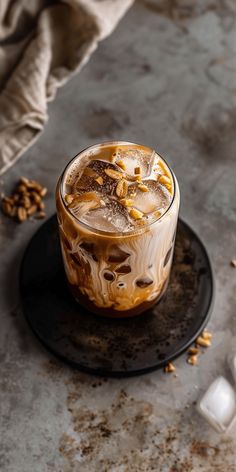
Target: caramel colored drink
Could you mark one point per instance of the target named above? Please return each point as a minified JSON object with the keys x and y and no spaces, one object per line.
{"x":117,"y":208}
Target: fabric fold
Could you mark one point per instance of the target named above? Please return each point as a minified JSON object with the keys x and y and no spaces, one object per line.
{"x":42,"y":44}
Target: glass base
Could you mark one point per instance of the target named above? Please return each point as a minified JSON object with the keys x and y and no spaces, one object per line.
{"x":111,"y":312}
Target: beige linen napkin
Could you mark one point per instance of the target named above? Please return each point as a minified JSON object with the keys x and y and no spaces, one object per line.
{"x":42,"y":44}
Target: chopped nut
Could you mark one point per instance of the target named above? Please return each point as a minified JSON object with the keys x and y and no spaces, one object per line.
{"x":163,"y":179}
{"x":207,"y":335}
{"x":91,"y":197}
{"x":88,"y":172}
{"x":41,"y":205}
{"x":32,"y":210}
{"x":24,"y":181}
{"x":8,"y":200}
{"x":157,"y":214}
{"x":99,"y":180}
{"x":7,"y":208}
{"x":40,"y":215}
{"x":26,"y":203}
{"x":233,"y":263}
{"x":193,"y":351}
{"x":86,"y":197}
{"x":143,"y":188}
{"x":21,"y":188}
{"x":43,"y":192}
{"x":14,"y":211}
{"x":114,"y":174}
{"x":138,"y":178}
{"x":203,"y":342}
{"x":122,"y":188}
{"x":36,"y":197}
{"x":16,"y":197}
{"x":137,"y":170}
{"x":193,"y":360}
{"x":21,"y":214}
{"x":69,"y":198}
{"x":134,"y":178}
{"x":169,"y":368}
{"x":127,"y":202}
{"x":141,"y":222}
{"x":33,"y":185}
{"x":121,"y":164}
{"x":136,"y":214}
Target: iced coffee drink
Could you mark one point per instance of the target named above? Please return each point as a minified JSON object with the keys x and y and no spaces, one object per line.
{"x":117,"y":207}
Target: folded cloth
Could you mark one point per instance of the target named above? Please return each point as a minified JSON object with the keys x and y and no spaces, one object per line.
{"x":42,"y":44}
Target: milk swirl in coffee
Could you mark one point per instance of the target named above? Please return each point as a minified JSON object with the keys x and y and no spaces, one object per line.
{"x":117,"y":207}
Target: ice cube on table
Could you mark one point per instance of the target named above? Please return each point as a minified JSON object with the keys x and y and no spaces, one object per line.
{"x":134,"y":158}
{"x":156,"y":198}
{"x":218,"y":404}
{"x":232,"y":364}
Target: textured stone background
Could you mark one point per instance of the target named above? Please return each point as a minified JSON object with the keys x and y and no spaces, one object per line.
{"x":165,"y":78}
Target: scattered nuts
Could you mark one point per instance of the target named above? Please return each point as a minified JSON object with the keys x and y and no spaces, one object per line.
{"x":122,"y":188}
{"x":114,"y":174}
{"x":169,"y":368}
{"x":21,"y":188}
{"x":8,"y":200}
{"x":33,"y":185}
{"x":207,"y":335}
{"x":40,"y":215}
{"x":36,"y":197}
{"x":192,"y":360}
{"x":41,"y":205}
{"x":200,"y":341}
{"x":136,"y":214}
{"x":14,"y":211}
{"x":43,"y":192}
{"x":7,"y":208}
{"x":21,"y":214}
{"x":32,"y":210}
{"x":25,"y":201}
{"x":193,"y":351}
{"x":25,"y":181}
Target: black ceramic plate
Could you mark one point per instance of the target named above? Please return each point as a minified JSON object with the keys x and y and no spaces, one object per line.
{"x":112,"y":347}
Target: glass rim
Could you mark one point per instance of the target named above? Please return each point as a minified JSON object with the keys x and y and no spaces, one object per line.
{"x":115,"y":233}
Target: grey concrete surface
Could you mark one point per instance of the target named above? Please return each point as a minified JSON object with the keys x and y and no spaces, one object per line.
{"x":165,"y":78}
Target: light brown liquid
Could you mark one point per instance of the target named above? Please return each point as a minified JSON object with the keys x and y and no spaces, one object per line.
{"x":117,"y":238}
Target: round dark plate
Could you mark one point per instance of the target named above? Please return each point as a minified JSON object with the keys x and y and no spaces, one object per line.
{"x":112,"y":347}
